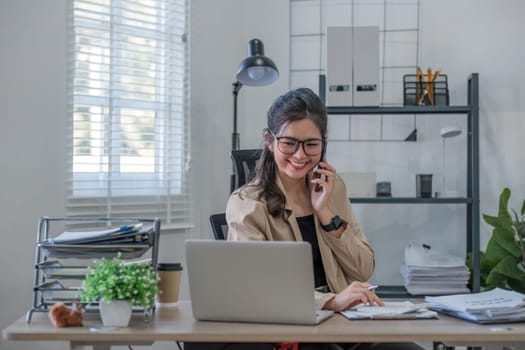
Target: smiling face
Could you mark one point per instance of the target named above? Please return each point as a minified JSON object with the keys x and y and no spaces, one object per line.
{"x":295,"y":166}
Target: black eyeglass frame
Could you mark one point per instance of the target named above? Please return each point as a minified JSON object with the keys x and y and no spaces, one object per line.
{"x":297,"y":143}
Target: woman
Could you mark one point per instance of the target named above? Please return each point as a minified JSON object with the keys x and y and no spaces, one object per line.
{"x":294,"y":200}
{"x":297,"y":196}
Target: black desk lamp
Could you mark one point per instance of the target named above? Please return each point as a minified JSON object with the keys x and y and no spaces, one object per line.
{"x":254,"y":70}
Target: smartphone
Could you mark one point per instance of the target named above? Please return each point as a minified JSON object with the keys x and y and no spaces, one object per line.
{"x":319,"y":188}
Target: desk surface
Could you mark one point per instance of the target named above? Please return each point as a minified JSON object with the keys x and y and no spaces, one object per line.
{"x":178,"y":324}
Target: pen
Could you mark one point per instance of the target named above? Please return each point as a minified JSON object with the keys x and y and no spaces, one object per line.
{"x":372,"y":287}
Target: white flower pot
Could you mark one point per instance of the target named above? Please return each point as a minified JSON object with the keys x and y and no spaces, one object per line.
{"x":116,"y":313}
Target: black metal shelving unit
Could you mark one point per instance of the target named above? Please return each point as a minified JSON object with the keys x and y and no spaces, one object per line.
{"x":411,"y":200}
{"x":471,"y":201}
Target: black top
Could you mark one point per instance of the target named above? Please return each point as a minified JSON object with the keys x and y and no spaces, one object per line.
{"x":307,"y":227}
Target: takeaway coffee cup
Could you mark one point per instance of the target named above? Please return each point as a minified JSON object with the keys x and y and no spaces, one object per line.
{"x":169,"y":284}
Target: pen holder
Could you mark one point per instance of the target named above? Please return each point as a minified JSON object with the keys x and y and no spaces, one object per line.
{"x":414,"y":91}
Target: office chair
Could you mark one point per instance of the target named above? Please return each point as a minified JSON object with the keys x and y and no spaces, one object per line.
{"x":219,"y":226}
{"x":244,"y":162}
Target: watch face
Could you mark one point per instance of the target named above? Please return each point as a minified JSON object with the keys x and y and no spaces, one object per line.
{"x":337,"y":222}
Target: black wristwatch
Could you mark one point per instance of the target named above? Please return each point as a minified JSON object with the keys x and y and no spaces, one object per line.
{"x":334,"y":224}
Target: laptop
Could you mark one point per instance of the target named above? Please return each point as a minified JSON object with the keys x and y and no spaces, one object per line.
{"x":252,"y":281}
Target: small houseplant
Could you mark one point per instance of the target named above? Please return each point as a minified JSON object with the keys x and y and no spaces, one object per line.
{"x":111,"y":281}
{"x":503,"y":262}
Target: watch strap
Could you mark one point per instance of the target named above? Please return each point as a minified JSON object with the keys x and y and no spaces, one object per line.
{"x":334,"y":224}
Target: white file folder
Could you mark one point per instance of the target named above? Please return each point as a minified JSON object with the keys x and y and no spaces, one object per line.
{"x":339,"y":85}
{"x":352,"y":69}
{"x":365,"y":52}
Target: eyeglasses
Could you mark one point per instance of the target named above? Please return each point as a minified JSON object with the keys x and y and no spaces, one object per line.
{"x":290,"y":145}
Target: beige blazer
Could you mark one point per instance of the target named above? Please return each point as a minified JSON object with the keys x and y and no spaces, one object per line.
{"x":345,"y":259}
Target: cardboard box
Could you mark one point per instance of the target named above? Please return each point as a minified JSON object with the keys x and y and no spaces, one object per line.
{"x":360,"y":184}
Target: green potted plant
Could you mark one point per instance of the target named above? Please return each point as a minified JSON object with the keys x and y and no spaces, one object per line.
{"x":118,"y":286}
{"x":503,"y":262}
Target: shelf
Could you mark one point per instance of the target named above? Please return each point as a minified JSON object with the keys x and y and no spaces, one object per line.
{"x":401,"y":30}
{"x":471,"y":199}
{"x":394,"y":292}
{"x":83,"y":251}
{"x":400,"y":110}
{"x":411,"y":200}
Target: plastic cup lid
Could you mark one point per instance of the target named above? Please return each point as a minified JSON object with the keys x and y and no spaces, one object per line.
{"x":169,"y":266}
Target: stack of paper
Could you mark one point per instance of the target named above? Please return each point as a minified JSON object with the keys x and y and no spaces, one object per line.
{"x":123,"y":234}
{"x":495,"y":306}
{"x":392,"y":310}
{"x":427,"y":272}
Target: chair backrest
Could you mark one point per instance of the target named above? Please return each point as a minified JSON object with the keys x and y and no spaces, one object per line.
{"x":244,"y":161}
{"x":219,"y":226}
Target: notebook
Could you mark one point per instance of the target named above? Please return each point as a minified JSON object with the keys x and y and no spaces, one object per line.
{"x":252,"y":281}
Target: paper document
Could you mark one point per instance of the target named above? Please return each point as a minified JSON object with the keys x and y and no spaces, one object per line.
{"x":476,"y":302}
{"x":494,"y":306}
{"x":391,"y":310}
{"x":430,"y":272}
{"x":72,"y":237}
{"x":421,"y":254}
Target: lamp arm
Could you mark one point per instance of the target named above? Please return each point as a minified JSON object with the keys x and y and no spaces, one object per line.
{"x":235,"y":135}
{"x":237,"y":87}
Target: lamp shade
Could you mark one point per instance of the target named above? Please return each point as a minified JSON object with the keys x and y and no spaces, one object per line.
{"x":257,"y":69}
{"x":450,"y":131}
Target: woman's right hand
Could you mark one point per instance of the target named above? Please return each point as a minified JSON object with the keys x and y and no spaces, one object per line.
{"x":356,"y":293}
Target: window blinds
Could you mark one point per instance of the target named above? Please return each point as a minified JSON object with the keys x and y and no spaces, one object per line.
{"x":128,"y":144}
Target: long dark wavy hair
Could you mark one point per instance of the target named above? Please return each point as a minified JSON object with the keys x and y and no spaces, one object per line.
{"x":295,"y":105}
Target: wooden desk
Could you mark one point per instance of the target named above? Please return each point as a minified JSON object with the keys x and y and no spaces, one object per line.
{"x":178,"y":324}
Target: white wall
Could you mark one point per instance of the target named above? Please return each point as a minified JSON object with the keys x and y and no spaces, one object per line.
{"x":485,"y":37}
{"x":220,"y":34}
{"x":459,"y":36}
{"x":32,"y":96}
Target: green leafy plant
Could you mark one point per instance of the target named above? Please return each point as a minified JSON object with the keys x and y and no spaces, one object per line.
{"x":112,"y":279}
{"x":503,"y":263}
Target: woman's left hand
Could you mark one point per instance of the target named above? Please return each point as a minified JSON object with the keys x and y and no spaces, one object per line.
{"x":326,"y":185}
